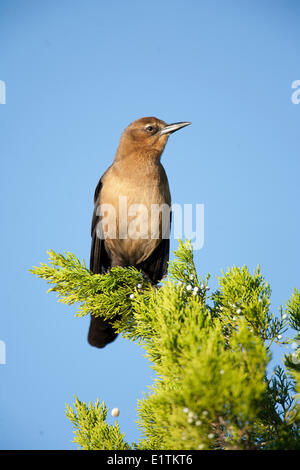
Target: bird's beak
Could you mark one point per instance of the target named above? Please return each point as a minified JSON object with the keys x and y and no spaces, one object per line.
{"x":170,"y":128}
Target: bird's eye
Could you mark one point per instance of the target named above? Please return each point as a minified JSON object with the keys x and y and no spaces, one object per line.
{"x":150,"y":128}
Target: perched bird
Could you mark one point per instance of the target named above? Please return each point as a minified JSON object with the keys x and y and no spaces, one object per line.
{"x":137,"y":180}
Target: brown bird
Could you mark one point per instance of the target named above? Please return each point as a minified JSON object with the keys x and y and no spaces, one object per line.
{"x":122,"y":232}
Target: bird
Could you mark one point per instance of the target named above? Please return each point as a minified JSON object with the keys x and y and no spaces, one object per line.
{"x":136,"y":178}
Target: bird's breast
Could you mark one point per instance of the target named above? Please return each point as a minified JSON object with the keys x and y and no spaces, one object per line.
{"x":135,"y":211}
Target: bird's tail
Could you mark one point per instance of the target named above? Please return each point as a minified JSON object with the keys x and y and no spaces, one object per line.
{"x":100,"y":332}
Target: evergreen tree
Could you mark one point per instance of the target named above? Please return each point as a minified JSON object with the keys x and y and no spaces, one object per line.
{"x":210,"y":352}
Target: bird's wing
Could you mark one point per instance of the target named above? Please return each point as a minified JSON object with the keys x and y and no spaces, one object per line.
{"x":99,"y":259}
{"x":100,"y":331}
{"x":156,"y":265}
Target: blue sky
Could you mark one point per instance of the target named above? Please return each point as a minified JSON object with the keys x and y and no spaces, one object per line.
{"x":76,"y":74}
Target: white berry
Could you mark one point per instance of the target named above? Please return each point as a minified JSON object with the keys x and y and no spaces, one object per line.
{"x":115,"y":412}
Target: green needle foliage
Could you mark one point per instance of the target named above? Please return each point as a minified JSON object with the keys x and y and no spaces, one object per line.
{"x":210,"y":353}
{"x":91,"y":430}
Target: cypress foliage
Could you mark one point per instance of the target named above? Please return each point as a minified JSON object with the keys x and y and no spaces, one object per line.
{"x":210,"y":352}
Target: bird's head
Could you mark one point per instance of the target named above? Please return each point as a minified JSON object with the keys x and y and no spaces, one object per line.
{"x":147,"y":135}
